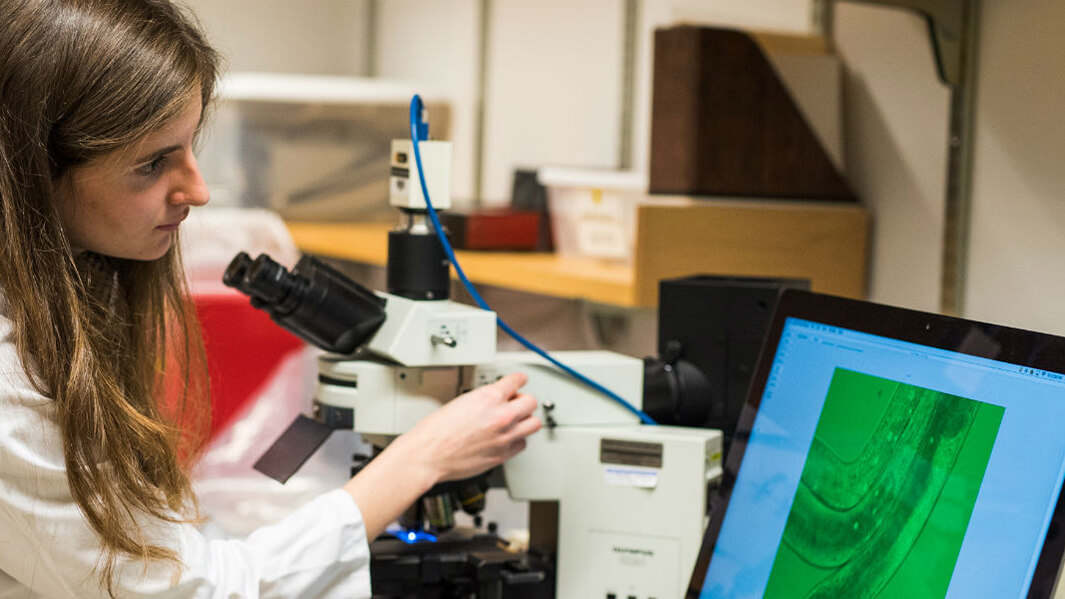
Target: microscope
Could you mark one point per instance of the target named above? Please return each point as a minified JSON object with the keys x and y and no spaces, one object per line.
{"x":617,"y":508}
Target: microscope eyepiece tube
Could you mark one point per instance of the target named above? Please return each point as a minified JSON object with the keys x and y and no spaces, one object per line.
{"x":235,"y":272}
{"x":315,"y":301}
{"x":269,"y":281}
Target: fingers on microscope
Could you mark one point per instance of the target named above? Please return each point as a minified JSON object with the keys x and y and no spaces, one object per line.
{"x":509,"y":385}
{"x":526,"y":426}
{"x":514,"y":411}
{"x":514,"y":449}
{"x":523,"y":403}
{"x":515,"y":418}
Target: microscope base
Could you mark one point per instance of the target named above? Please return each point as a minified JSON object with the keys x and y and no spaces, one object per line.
{"x":459,"y":564}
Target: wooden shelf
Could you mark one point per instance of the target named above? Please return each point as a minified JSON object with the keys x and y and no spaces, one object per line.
{"x":826,"y":243}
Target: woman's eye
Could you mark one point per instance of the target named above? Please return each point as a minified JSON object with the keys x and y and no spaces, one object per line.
{"x":152,"y":167}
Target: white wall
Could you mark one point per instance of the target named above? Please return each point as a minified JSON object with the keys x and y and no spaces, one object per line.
{"x":896,"y":122}
{"x":434,"y":45}
{"x":553,"y":76}
{"x":896,"y":115}
{"x":794,"y":16}
{"x":554,"y":87}
{"x":321,"y":37}
{"x":542,"y":104}
{"x":1018,"y":231}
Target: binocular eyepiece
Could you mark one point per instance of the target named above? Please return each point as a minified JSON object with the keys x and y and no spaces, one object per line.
{"x":314,"y":301}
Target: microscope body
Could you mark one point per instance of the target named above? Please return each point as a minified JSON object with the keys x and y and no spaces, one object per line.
{"x":411,"y":366}
{"x":621,"y":505}
{"x":631,"y":499}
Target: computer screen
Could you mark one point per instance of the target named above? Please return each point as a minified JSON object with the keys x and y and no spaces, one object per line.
{"x":877,"y":466}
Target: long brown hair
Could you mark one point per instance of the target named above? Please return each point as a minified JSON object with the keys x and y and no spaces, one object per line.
{"x":80,"y":79}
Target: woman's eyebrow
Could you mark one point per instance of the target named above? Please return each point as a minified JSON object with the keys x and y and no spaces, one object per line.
{"x":157,"y":154}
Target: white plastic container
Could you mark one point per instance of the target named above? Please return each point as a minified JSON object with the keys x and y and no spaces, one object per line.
{"x":593,"y":212}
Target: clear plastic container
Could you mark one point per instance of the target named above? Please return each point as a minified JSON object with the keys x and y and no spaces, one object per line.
{"x":593,"y":212}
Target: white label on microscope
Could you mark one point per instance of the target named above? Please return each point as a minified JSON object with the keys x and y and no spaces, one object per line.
{"x":631,"y":476}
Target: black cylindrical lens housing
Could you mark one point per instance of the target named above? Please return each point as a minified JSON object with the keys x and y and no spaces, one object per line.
{"x":675,"y":393}
{"x":418,"y":268}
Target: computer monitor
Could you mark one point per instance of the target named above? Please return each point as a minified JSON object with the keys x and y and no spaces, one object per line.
{"x":888,"y":452}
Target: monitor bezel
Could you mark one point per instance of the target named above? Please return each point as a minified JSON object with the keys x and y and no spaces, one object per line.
{"x":1017,"y":346}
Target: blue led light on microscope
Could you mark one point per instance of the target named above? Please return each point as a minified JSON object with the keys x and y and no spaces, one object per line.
{"x":412,"y":537}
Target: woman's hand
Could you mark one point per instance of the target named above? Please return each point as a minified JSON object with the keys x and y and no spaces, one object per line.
{"x":475,"y":431}
{"x":464,"y":437}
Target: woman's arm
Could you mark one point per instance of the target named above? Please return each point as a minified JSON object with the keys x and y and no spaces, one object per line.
{"x":48,"y":549}
{"x":468,"y":435}
{"x":320,"y":550}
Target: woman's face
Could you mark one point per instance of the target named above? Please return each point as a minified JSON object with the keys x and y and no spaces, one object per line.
{"x":129,"y":203}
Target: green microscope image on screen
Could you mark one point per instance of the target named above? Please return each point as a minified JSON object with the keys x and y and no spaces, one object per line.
{"x":886,"y":491}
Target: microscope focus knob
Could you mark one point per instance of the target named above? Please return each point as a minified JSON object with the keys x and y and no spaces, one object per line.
{"x":447,"y":340}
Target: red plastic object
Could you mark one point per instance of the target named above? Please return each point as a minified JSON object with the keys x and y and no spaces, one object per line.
{"x":244,"y":349}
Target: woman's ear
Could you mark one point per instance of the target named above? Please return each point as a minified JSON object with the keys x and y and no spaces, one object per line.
{"x":63,"y":200}
{"x":63,"y":187}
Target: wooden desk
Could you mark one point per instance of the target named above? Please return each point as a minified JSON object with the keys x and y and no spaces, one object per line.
{"x":826,"y":243}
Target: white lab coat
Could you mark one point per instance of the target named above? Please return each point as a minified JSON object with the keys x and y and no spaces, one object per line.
{"x":47,"y":549}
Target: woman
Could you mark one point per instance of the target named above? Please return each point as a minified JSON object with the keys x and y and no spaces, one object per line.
{"x":100,"y":102}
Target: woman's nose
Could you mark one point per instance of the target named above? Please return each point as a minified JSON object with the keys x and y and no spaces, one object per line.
{"x":190,"y":188}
